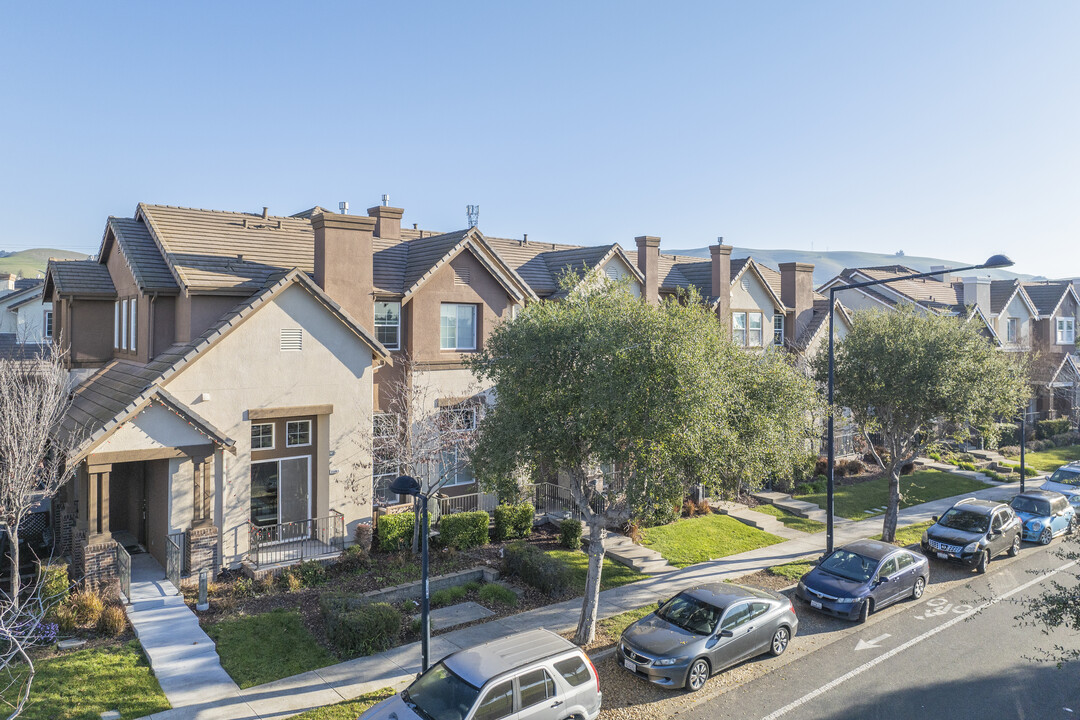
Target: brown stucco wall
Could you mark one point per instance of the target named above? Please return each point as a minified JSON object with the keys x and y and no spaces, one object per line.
{"x":90,"y":326}
{"x":194,"y":313}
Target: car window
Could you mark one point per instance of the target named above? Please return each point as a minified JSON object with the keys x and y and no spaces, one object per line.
{"x":573,"y":670}
{"x":498,"y":703}
{"x":1059,"y":505}
{"x":905,"y":560}
{"x":1066,"y":476}
{"x":689,"y":613}
{"x":849,"y":565}
{"x":758,"y":609}
{"x":999,"y":522}
{"x":888,"y":568}
{"x":736,"y":616}
{"x":964,"y":520}
{"x":535,"y":686}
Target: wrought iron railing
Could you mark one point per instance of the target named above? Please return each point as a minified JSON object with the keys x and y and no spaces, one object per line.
{"x":123,"y":563}
{"x":549,"y":498}
{"x":296,"y":541}
{"x":472,"y":502}
{"x":174,"y":558}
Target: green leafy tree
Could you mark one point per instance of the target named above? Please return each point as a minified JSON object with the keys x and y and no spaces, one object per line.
{"x":657,"y":391}
{"x":1056,"y":612}
{"x":904,"y":374}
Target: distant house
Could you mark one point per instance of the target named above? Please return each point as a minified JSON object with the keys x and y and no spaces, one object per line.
{"x":26,"y":323}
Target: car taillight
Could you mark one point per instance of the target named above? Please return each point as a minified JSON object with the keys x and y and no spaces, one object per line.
{"x":594,"y":673}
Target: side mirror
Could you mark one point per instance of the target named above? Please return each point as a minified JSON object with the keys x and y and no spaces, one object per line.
{"x":659,"y":604}
{"x":726,"y":634}
{"x":934,"y":518}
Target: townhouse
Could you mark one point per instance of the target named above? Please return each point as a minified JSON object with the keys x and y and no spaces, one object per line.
{"x":26,"y":323}
{"x":231,"y":368}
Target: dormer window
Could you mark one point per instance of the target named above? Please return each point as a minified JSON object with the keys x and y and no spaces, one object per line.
{"x":1012,"y":330}
{"x":1066,"y":331}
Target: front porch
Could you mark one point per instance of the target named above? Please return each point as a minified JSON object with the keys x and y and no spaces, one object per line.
{"x":273,"y":547}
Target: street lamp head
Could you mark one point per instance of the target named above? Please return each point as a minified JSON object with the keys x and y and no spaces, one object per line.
{"x":405,"y":485}
{"x":998,"y":261}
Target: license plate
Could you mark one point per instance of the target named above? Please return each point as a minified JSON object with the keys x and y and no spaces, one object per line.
{"x":629,"y":665}
{"x":943,"y":556}
{"x":815,"y":604}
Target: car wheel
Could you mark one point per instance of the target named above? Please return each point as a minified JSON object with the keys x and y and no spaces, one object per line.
{"x":984,"y":560}
{"x":864,"y":613}
{"x":780,"y":640}
{"x":1014,"y":549}
{"x":919,"y":589}
{"x":1046,"y":536}
{"x":699,"y":673}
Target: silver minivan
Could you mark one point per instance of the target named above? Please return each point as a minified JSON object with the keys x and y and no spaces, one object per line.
{"x":533,"y":675}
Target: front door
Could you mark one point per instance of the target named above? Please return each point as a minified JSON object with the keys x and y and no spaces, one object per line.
{"x":281,"y":498}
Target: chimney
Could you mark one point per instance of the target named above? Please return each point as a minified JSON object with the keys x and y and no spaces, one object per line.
{"x":941,"y":274}
{"x":797,"y":292}
{"x":977,"y":292}
{"x":648,"y":257}
{"x":721,"y":280}
{"x":387,"y":220}
{"x":7,"y":282}
{"x":343,"y":263}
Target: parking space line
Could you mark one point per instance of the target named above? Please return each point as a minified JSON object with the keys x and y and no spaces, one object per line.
{"x":914,"y":641}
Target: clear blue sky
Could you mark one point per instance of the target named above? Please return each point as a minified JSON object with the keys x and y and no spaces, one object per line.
{"x":943,"y":129}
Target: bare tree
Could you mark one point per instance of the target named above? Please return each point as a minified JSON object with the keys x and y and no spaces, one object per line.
{"x":33,"y":401}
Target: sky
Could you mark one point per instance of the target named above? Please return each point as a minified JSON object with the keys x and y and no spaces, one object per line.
{"x":940,"y":129}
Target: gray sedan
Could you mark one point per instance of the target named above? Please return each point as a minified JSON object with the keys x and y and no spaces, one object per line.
{"x":703,"y":630}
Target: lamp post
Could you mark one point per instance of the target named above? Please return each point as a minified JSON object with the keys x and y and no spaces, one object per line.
{"x":1023,"y":444}
{"x":406,"y":485}
{"x":994,"y":261}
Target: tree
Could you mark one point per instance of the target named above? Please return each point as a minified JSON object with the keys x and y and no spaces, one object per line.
{"x":1058,"y":609}
{"x":33,"y":401}
{"x":904,"y":373}
{"x":656,"y":391}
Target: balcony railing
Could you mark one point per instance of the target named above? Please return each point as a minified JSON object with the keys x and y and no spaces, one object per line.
{"x":296,"y":541}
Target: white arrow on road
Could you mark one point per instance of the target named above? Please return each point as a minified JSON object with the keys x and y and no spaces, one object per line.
{"x":866,"y":644}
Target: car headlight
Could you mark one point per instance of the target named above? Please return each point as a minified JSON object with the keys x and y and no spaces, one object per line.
{"x":1035,"y":526}
{"x":669,"y":661}
{"x":925,"y":537}
{"x":971,"y":547}
{"x":846,"y":601}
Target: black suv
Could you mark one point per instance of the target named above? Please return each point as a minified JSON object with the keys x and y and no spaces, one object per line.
{"x":972,"y":532}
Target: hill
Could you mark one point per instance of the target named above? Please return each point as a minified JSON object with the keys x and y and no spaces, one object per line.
{"x":828,"y":265}
{"x":32,"y":263}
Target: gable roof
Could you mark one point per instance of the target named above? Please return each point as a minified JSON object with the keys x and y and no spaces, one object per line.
{"x":427,"y":255}
{"x":819,"y":322}
{"x":141,"y":253}
{"x":760,"y":271}
{"x":12,"y":349}
{"x":1002,"y":293}
{"x":21,"y":296}
{"x":82,"y":278}
{"x":1049,"y":294}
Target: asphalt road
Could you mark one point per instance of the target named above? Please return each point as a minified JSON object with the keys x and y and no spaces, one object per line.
{"x":955,"y":655}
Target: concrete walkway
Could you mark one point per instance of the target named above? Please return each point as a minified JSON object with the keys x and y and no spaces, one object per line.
{"x":755,"y":519}
{"x":623,"y":550}
{"x":398,"y":667}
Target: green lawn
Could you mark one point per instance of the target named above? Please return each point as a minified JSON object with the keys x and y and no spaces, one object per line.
{"x":260,"y":648}
{"x":348,"y":710}
{"x":612,"y":576}
{"x":1050,"y":460}
{"x":612,"y":627}
{"x":791,"y":520}
{"x":793,"y":570}
{"x":853,"y":501}
{"x":910,"y":535}
{"x":86,"y":683}
{"x":693,"y":540}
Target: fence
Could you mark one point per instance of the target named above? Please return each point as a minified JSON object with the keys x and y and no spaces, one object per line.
{"x":296,"y":541}
{"x":123,"y":563}
{"x":174,"y":558}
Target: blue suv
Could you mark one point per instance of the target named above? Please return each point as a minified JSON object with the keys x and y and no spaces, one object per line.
{"x":1045,"y":515}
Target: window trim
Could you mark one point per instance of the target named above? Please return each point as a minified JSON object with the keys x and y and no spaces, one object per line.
{"x":1012,"y":329}
{"x":289,"y":444}
{"x":133,"y":318}
{"x":116,"y":325}
{"x":736,"y":329}
{"x":1063,"y":324}
{"x":273,"y":436}
{"x":760,"y":329}
{"x":458,"y":347}
{"x":124,"y":324}
{"x":396,"y":326}
{"x":778,"y":332}
{"x":47,"y":322}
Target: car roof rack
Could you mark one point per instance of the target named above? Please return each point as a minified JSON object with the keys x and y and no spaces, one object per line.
{"x":965,"y":500}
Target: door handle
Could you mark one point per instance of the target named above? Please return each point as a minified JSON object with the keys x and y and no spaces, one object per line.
{"x":557,"y":703}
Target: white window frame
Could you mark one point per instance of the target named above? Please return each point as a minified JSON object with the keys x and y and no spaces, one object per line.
{"x":273,"y":433}
{"x":1066,"y":331}
{"x":134,"y":313}
{"x":1012,"y":329}
{"x":124,"y":324}
{"x":458,"y":346}
{"x":750,"y":330}
{"x":738,"y":327}
{"x":290,"y":444}
{"x":47,"y":332}
{"x":463,"y":470}
{"x":116,"y":325}
{"x":778,"y":329}
{"x":397,"y":326}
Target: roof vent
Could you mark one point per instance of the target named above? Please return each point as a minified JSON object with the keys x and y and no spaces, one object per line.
{"x":343,"y":207}
{"x":386,"y":200}
{"x":266,"y":212}
{"x":292,"y":339}
{"x":240,"y":257}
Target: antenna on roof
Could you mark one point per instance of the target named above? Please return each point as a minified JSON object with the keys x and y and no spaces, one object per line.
{"x":343,"y":207}
{"x":473,"y":213}
{"x":386,"y":200}
{"x":719,"y":239}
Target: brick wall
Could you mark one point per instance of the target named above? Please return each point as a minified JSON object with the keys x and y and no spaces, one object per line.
{"x":202,"y":550}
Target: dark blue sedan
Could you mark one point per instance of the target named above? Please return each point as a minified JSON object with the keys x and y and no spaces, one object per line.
{"x":862,"y":577}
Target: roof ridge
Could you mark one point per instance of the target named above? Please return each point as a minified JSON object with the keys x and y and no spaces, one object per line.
{"x":228,"y":212}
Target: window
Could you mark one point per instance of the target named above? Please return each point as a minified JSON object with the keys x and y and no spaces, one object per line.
{"x":262,"y":436}
{"x":777,"y":329}
{"x":116,"y":325}
{"x":457,"y":327}
{"x":134,"y":315}
{"x":905,"y":560}
{"x":1012,"y":330}
{"x":384,"y":458}
{"x":754,"y":339}
{"x":736,"y":616}
{"x":535,"y":686}
{"x":1066,"y":330}
{"x":999,"y":522}
{"x":297,"y":433}
{"x":498,"y":703}
{"x":458,"y":419}
{"x":48,"y":324}
{"x":573,"y":671}
{"x":281,"y":495}
{"x":758,"y":609}
{"x":888,"y":568}
{"x":123,"y":324}
{"x":738,"y":328}
{"x":388,"y":324}
{"x":455,"y":468}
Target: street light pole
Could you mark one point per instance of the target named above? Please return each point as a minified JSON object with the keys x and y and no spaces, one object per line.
{"x":406,"y":485}
{"x":1023,"y":443}
{"x":994,"y":261}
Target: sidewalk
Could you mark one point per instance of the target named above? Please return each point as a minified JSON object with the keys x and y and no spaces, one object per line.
{"x":398,"y":666}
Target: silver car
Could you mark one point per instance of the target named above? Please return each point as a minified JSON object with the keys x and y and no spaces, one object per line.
{"x":705,"y":629}
{"x":534,"y":675}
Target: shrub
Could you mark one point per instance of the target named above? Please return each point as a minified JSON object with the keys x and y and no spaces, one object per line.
{"x":395,"y":532}
{"x":362,"y":537}
{"x":513,"y":521}
{"x":351,"y":558}
{"x":495,"y":594}
{"x":535,"y":567}
{"x":689,"y":508}
{"x":55,"y":585}
{"x":365,"y":630}
{"x":65,"y":618}
{"x":570,"y":534}
{"x":242,"y":587}
{"x":883,"y":453}
{"x":821,"y":467}
{"x":936,"y":456}
{"x":907,"y":469}
{"x":265,"y":584}
{"x":463,"y":531}
{"x":112,"y":621}
{"x":703,"y":507}
{"x":819,"y":485}
{"x":289,"y":580}
{"x":1008,"y":434}
{"x":311,"y":573}
{"x":447,"y":596}
{"x":1048,"y":428}
{"x":87,"y":606}
{"x":839,"y":469}
{"x":965,"y":457}
{"x":1066,"y":439}
{"x":853,"y":467}
{"x":965,"y":465}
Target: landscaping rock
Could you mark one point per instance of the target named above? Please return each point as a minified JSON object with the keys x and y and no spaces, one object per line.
{"x":71,"y":644}
{"x":447,"y":617}
{"x":111,"y":715}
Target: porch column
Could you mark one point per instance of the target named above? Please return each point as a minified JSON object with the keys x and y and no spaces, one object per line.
{"x":203,"y":482}
{"x":97,"y":506}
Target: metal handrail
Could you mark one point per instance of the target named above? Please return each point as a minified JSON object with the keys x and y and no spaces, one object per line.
{"x":295,"y":541}
{"x":123,"y":562}
{"x":174,"y":559}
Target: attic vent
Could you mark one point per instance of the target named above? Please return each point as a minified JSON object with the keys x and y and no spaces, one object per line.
{"x":462,"y":276}
{"x":292,"y":339}
{"x":612,"y":272}
{"x":746,"y":283}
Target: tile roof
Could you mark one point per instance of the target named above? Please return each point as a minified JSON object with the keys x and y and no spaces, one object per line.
{"x":21,"y":296}
{"x":424,"y":253}
{"x":143,"y":255}
{"x":526,"y":258}
{"x":1046,"y":296}
{"x":81,"y":277}
{"x":1001,"y":292}
{"x":931,"y":294}
{"x":12,"y":349}
{"x":27,"y":283}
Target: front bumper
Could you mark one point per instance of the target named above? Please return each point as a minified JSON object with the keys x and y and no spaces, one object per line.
{"x":844,"y":611}
{"x":962,"y":558}
{"x":669,"y":676}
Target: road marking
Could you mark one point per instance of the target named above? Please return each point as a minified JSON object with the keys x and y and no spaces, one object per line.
{"x":935,"y":607}
{"x":867,"y":644}
{"x":914,"y":641}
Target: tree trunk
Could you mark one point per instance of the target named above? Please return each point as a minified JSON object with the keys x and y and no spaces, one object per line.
{"x":888,"y":530}
{"x":13,"y":545}
{"x":586,"y":629}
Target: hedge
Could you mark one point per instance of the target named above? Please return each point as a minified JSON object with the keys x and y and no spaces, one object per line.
{"x":1049,"y":428}
{"x":570,"y":534}
{"x":364,"y":630}
{"x":535,"y":567}
{"x":463,"y":531}
{"x":394,"y":532}
{"x":513,"y":521}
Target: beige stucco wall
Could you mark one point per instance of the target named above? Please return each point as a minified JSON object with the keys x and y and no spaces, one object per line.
{"x":1015,"y":309}
{"x":27,"y":321}
{"x":247,"y":370}
{"x":153,"y":429}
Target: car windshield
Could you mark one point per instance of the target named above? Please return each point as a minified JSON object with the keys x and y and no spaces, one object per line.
{"x":849,"y":565}
{"x":691,"y":614}
{"x":439,"y":694}
{"x":965,"y":520}
{"x":1030,"y":505}
{"x":1066,"y":476}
